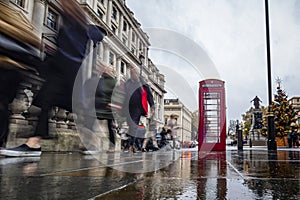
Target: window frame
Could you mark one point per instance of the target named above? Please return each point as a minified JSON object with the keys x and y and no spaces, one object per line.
{"x":114,"y":13}
{"x":111,"y":58}
{"x":20,"y":3}
{"x":49,"y":20}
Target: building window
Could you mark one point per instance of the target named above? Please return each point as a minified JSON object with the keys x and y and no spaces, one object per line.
{"x":114,"y":28}
{"x":124,"y":40}
{"x":19,"y":2}
{"x":114,"y":13}
{"x":124,"y":26}
{"x":52,"y":19}
{"x":132,"y":50}
{"x":141,"y":46}
{"x":99,"y":13}
{"x":122,"y":68}
{"x":133,"y":37}
{"x":111,"y":58}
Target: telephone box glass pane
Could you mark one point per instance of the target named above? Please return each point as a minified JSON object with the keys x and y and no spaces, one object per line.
{"x":211,"y":109}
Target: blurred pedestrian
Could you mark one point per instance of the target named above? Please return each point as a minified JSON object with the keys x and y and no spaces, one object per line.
{"x":290,"y":139}
{"x":163,"y":135}
{"x":172,"y":127}
{"x":137,"y":97}
{"x":294,"y":138}
{"x":105,"y":83}
{"x":18,"y":54}
{"x":150,"y":134}
{"x":12,"y":79}
{"x":60,"y":71}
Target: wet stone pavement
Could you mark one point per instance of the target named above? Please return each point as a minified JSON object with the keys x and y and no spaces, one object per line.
{"x":182,"y":174}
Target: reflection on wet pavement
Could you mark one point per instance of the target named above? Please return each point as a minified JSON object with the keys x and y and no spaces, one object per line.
{"x":248,"y":174}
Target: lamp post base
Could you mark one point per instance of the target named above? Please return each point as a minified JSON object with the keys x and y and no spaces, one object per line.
{"x":271,"y":134}
{"x":272,"y":146}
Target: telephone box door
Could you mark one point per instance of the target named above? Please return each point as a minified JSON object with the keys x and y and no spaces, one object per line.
{"x":212,"y":115}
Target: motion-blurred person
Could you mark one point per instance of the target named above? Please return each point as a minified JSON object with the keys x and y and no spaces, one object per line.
{"x":18,"y":54}
{"x":150,"y":134}
{"x":137,"y":97}
{"x":105,"y":84}
{"x":163,"y":135}
{"x":60,"y":72}
{"x":172,"y":127}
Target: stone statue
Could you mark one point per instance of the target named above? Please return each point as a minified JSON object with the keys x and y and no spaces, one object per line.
{"x":256,"y":101}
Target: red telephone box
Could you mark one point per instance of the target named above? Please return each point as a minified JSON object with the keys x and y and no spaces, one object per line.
{"x":212,"y":116}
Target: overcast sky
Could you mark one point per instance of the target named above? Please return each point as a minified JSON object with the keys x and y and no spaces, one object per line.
{"x":230,"y":37}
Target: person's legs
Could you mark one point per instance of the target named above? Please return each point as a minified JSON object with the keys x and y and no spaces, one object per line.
{"x":139,"y":142}
{"x":9,"y":83}
{"x":32,"y":146}
{"x":146,"y":140}
{"x":41,"y":130}
{"x":154,"y":141}
{"x":133,"y":122}
{"x":4,"y":123}
{"x":111,"y":130}
{"x":132,"y":132}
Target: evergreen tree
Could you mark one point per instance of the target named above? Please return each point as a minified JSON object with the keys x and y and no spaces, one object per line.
{"x":247,"y":118}
{"x":285,"y":116}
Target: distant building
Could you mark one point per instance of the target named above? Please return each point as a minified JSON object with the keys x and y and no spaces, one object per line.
{"x":195,"y":125}
{"x":183,"y":117}
{"x":295,"y":102}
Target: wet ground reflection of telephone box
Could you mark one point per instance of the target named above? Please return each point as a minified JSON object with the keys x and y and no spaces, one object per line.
{"x":212,"y":116}
{"x":212,"y":172}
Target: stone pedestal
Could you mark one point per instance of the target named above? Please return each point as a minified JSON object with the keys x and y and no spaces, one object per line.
{"x":254,"y":131}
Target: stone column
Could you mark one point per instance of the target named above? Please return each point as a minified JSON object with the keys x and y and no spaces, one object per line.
{"x":71,"y":118}
{"x":87,"y":65}
{"x":106,"y":52}
{"x":18,"y":106}
{"x":108,"y":14}
{"x":38,"y":16}
{"x":120,"y":26}
{"x":129,"y":38}
{"x":118,"y":67}
{"x":101,"y":51}
{"x":95,"y":3}
{"x":61,"y":116}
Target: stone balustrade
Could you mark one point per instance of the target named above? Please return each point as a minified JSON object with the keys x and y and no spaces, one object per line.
{"x":63,"y":132}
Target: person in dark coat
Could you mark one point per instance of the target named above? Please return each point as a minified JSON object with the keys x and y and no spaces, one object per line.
{"x":60,"y":71}
{"x":105,"y":85}
{"x":163,"y":135}
{"x":137,"y":95}
{"x":12,"y":79}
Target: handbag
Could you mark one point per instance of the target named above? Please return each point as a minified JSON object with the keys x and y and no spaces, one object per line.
{"x":141,"y":130}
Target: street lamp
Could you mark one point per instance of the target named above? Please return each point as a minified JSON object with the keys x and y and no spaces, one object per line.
{"x":271,"y":129}
{"x":141,"y":59}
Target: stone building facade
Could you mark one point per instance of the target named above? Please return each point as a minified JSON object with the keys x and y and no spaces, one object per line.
{"x":183,"y":116}
{"x":123,"y":46}
{"x":295,"y":102}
